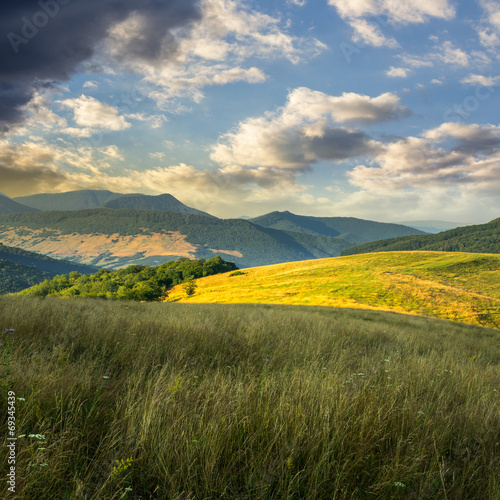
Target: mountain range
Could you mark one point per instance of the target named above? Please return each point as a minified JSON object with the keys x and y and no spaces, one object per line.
{"x":111,"y":230}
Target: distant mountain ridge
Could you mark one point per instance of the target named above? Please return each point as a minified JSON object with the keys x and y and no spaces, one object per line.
{"x":9,"y":206}
{"x":355,"y":231}
{"x":433,"y":226}
{"x":89,"y":199}
{"x":481,"y":238}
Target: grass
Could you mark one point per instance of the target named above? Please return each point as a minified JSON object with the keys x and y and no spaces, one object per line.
{"x":461,"y":287}
{"x":123,"y":400}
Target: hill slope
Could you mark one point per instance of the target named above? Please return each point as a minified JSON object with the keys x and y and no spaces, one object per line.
{"x":16,"y":277}
{"x":456,"y":286}
{"x":478,"y":238}
{"x":9,"y":206}
{"x":20,"y":269}
{"x":350,"y":229}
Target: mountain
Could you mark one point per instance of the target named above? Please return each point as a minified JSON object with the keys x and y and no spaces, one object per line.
{"x":89,"y":199}
{"x":432,"y":226}
{"x":165,"y":202}
{"x":482,"y":238}
{"x":9,"y":206}
{"x":20,"y":269}
{"x":71,"y":200}
{"x":354,"y":231}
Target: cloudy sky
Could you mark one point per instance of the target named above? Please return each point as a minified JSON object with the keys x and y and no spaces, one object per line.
{"x":378,"y":109}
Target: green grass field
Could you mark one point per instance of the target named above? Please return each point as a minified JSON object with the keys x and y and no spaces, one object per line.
{"x":462,"y":287}
{"x":127,"y":400}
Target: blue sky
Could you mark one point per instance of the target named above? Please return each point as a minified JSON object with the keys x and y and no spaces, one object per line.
{"x":376,"y":109}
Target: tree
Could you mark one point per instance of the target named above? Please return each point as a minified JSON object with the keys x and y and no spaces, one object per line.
{"x":190,"y":287}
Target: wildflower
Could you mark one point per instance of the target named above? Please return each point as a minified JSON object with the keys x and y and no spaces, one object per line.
{"x":399,"y":485}
{"x":9,"y":330}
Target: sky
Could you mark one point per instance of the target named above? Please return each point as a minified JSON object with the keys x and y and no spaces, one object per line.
{"x":377,"y":109}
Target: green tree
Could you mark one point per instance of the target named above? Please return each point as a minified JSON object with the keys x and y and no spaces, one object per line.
{"x":190,"y":287}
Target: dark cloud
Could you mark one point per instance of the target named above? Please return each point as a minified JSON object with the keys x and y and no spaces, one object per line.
{"x":45,"y":40}
{"x":340,"y":144}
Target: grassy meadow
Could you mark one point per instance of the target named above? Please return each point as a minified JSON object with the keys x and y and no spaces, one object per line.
{"x":461,"y":287}
{"x":128,"y":400}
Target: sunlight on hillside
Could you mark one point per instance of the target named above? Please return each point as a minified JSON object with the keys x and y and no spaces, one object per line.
{"x":455,"y":286}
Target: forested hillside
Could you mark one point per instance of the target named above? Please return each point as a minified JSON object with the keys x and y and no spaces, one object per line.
{"x":482,"y":238}
{"x":131,"y":283}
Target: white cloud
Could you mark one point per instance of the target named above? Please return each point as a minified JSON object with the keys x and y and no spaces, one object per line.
{"x":90,"y":84}
{"x":90,"y":113}
{"x":485,"y":81}
{"x":415,"y":61}
{"x":370,"y":34}
{"x":157,"y":156}
{"x":410,"y":11}
{"x":397,"y":72}
{"x":356,"y":12}
{"x":452,"y":55}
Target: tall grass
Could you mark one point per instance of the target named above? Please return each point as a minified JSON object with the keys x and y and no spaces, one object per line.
{"x":182,"y":401}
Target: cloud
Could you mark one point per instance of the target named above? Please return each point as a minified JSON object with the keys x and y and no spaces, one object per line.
{"x":367,"y":33}
{"x":485,"y":81}
{"x":90,"y":113}
{"x":450,"y":158}
{"x":355,"y":13}
{"x":214,"y":52}
{"x":309,"y":128}
{"x":90,"y":85}
{"x":452,"y":55}
{"x":46,"y":43}
{"x":411,"y":11}
{"x":397,"y":72}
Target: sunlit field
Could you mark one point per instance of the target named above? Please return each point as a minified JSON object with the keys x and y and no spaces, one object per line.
{"x":461,"y":287}
{"x":179,"y":401}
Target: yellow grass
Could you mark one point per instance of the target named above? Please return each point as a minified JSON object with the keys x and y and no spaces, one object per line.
{"x":461,"y":287}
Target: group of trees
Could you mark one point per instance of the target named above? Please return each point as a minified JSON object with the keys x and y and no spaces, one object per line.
{"x":133,"y":283}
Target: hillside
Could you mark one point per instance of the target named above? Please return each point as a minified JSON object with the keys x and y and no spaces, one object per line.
{"x":455,"y":286}
{"x":482,"y":238}
{"x":20,"y":269}
{"x":350,"y":229}
{"x":9,"y":206}
{"x":16,"y":277}
{"x":116,"y":238}
{"x":125,"y":400}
